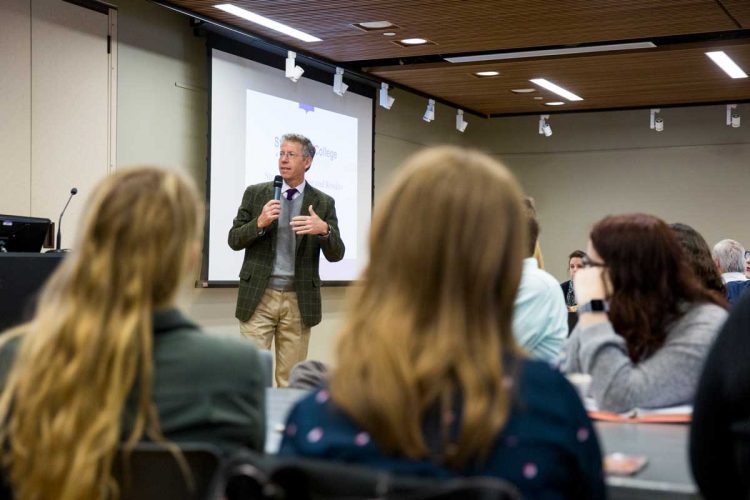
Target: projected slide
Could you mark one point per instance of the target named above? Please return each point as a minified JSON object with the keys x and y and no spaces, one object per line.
{"x":252,"y":107}
{"x":333,"y":170}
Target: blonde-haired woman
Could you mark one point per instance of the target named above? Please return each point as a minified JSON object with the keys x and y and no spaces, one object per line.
{"x":107,"y":358}
{"x":428,"y":378}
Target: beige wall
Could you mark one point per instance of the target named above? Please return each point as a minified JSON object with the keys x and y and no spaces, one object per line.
{"x":695,"y":171}
{"x":15,"y":106}
{"x":54,"y":114}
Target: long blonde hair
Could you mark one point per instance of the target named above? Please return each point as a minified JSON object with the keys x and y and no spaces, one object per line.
{"x":89,"y":345}
{"x":432,"y":321}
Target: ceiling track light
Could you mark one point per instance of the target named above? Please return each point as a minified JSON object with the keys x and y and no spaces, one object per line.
{"x":429,"y":113}
{"x":656,"y":122}
{"x":544,"y":127}
{"x":460,"y":123}
{"x":733,"y":116}
{"x":339,"y":87}
{"x":386,"y":100}
{"x":293,"y":72}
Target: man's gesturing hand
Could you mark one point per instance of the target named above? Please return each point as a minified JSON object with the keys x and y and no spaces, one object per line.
{"x":312,"y":224}
{"x":270,"y":213}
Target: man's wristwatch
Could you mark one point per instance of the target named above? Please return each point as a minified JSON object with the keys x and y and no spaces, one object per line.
{"x":596,"y":305}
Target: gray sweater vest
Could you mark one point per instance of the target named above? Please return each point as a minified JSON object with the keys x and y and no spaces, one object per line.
{"x":282,"y":276}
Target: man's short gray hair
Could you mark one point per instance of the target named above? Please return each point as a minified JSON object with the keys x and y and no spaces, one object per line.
{"x":731,"y":256}
{"x":307,"y":147}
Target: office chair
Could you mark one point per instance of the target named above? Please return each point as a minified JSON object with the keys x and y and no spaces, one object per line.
{"x":154,"y":473}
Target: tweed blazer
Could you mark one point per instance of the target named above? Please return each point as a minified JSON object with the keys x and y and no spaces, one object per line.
{"x":260,"y":251}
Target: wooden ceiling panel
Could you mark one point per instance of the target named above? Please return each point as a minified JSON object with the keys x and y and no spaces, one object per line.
{"x":675,"y":73}
{"x":739,"y":10}
{"x":655,"y":77}
{"x":461,"y":26}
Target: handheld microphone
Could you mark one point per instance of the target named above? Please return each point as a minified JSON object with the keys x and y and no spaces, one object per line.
{"x":73,"y":192}
{"x":277,"y":182}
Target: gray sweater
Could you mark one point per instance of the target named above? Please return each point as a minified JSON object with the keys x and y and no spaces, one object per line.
{"x":667,"y":378}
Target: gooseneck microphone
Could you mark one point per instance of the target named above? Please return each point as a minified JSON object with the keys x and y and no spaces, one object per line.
{"x":73,"y":192}
{"x":277,"y":183}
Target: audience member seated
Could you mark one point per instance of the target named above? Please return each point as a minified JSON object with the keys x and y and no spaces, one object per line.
{"x":645,"y":323}
{"x":729,"y":256}
{"x":720,"y":430}
{"x":699,"y":257}
{"x":747,"y":264}
{"x":107,"y":358}
{"x":575,"y":262}
{"x":309,"y":374}
{"x":429,"y":380}
{"x":540,"y":320}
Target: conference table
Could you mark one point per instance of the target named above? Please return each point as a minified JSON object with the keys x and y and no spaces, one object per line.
{"x":666,"y":475}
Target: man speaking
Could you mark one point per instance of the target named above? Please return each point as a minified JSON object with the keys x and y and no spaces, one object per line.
{"x":282,"y":231}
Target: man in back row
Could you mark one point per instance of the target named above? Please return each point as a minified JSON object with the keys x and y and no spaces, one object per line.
{"x":279,"y":294}
{"x":540,"y":319}
{"x":729,"y":256}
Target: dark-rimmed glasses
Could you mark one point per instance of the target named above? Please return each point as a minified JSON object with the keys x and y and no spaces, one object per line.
{"x":587,"y":262}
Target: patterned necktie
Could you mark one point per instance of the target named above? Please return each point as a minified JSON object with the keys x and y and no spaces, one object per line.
{"x":290,"y":193}
{"x":570,"y":300}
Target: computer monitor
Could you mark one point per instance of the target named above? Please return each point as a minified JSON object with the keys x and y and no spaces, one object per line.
{"x":22,"y":234}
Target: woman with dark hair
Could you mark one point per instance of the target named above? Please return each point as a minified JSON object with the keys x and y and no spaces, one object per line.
{"x":645,"y":323}
{"x":699,"y":257}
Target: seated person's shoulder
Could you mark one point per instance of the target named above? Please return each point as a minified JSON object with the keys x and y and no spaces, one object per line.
{"x":9,"y":347}
{"x":542,"y":387}
{"x":539,"y":279}
{"x":221,"y":356}
{"x":706,"y":313}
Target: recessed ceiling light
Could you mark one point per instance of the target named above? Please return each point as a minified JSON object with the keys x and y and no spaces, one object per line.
{"x":556,"y":89}
{"x":727,"y":64}
{"x":552,"y":52}
{"x":376,"y":25}
{"x":523,"y":91}
{"x":389,"y":33}
{"x":486,"y":74}
{"x":554,"y":103}
{"x":267,"y":23}
{"x":538,"y":98}
{"x":414,"y":41}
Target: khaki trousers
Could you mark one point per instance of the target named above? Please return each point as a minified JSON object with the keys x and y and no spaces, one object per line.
{"x":277,"y":318}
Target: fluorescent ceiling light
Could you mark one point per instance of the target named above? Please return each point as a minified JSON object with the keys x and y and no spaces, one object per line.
{"x":552,"y":52}
{"x":556,"y":89}
{"x":725,"y":62}
{"x":268,"y":23}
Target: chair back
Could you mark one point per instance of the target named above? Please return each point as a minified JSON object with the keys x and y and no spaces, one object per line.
{"x":153,"y":472}
{"x":740,"y":432}
{"x":254,"y":476}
